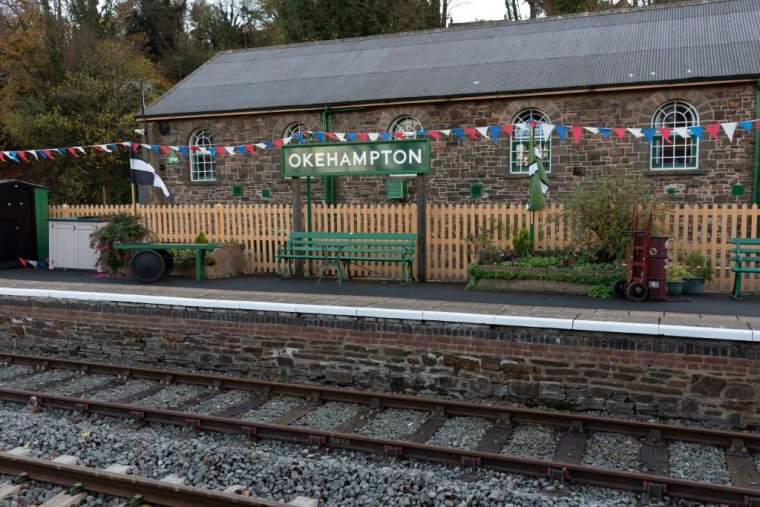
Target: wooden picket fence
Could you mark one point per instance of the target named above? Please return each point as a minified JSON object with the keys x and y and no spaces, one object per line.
{"x":452,"y":230}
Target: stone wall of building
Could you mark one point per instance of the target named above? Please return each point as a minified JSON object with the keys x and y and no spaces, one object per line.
{"x":620,"y":374}
{"x":458,"y":163}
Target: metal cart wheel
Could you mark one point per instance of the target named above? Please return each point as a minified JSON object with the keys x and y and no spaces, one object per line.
{"x":147,"y":266}
{"x":619,"y":288}
{"x":168,"y":261}
{"x":637,"y":292}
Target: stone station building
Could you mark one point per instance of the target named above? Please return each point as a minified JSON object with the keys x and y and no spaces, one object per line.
{"x":677,"y":65}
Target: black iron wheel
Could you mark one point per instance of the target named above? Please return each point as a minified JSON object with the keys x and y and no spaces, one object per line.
{"x":168,"y":261}
{"x":637,"y":292}
{"x":619,"y":288}
{"x":147,"y":266}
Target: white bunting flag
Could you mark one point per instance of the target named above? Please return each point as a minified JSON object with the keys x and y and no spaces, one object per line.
{"x":230,"y":150}
{"x":446,"y":132}
{"x":33,"y":153}
{"x":286,"y":140}
{"x":593,"y":130}
{"x":547,"y":129}
{"x":483,"y":132}
{"x":373,"y":136}
{"x":683,"y":132}
{"x":105,"y":148}
{"x":636,"y":132}
{"x":729,"y":129}
{"x":261,"y":145}
{"x":341,"y":136}
{"x":80,"y":149}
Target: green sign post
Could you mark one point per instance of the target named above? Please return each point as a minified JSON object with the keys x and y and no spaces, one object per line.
{"x":381,"y":157}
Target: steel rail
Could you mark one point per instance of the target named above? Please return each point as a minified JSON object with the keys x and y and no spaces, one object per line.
{"x":451,"y":408}
{"x":124,"y":486}
{"x":633,"y":481}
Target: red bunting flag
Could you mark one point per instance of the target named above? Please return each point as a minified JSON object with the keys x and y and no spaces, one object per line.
{"x":757,"y":122}
{"x":713,"y":130}
{"x":665,"y":131}
{"x":363,"y":136}
{"x":2,"y":157}
{"x":22,"y":156}
{"x":134,"y":147}
{"x":399,"y":135}
{"x":277,"y":143}
{"x":331,"y":135}
{"x":73,"y":152}
{"x":165,"y":149}
{"x":472,"y":132}
{"x":98,"y":148}
{"x":534,"y":123}
{"x":577,"y":131}
{"x":249,"y":149}
{"x":22,"y":261}
{"x":509,"y":129}
{"x":220,"y":151}
{"x":434,"y":134}
{"x":619,"y":132}
{"x":48,"y":154}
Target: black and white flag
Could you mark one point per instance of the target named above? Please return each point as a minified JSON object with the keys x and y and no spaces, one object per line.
{"x":143,"y":173}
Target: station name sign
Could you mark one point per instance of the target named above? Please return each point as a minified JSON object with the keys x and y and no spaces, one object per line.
{"x":332,"y":159}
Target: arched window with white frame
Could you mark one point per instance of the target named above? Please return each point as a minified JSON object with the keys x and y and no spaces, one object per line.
{"x":297,"y":129}
{"x":409,"y":125}
{"x":682,"y":152}
{"x":202,"y":164}
{"x":519,"y":155}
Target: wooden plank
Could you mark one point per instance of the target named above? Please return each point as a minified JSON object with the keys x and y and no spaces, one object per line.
{"x":430,"y":427}
{"x":572,"y":444}
{"x":741,"y":466}
{"x":497,"y":436}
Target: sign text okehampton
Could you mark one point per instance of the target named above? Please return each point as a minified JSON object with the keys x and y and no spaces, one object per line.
{"x":380,"y":157}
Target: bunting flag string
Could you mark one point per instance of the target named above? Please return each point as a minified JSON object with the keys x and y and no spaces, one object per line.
{"x":484,"y":133}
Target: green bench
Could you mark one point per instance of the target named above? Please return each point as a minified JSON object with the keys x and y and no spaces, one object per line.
{"x":153,"y":261}
{"x":339,"y":249}
{"x":745,"y":256}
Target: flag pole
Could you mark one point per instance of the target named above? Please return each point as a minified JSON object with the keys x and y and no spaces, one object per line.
{"x":134,"y":204}
{"x":531,"y":145}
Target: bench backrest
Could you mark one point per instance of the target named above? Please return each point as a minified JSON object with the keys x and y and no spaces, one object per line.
{"x":352,"y":243}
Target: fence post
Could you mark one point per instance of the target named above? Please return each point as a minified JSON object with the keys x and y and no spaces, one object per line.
{"x":421,"y":228}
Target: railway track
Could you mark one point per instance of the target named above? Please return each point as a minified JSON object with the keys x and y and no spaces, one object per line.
{"x":244,"y":397}
{"x":135,"y":491}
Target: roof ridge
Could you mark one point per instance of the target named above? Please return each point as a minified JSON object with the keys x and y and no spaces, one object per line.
{"x":475,"y":26}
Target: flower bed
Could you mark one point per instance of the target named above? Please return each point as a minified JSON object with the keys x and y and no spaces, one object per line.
{"x":545,"y":274}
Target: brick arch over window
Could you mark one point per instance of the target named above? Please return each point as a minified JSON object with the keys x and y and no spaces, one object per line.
{"x":284,"y":123}
{"x":701,"y":104}
{"x":388,"y":117}
{"x":202,"y":164}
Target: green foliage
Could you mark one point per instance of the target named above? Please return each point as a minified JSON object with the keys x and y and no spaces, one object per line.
{"x":697,"y":265}
{"x":521,"y":243}
{"x":602,"y":291}
{"x":553,"y":268}
{"x":201,"y":237}
{"x":601,"y":212}
{"x":675,"y":272}
{"x":186,"y":258}
{"x":122,"y":228}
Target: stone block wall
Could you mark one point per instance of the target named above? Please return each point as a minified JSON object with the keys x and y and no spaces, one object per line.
{"x":457,"y":163}
{"x":620,"y":374}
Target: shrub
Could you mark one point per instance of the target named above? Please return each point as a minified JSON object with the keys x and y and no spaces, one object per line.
{"x":600,"y":213}
{"x":122,"y":228}
{"x":521,"y":243}
{"x":697,"y":265}
{"x":675,"y":272}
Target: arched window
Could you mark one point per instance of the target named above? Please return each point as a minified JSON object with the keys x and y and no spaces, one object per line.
{"x":295,"y":130}
{"x":682,"y":151}
{"x":519,"y":155}
{"x":409,"y":125}
{"x":202,"y":165}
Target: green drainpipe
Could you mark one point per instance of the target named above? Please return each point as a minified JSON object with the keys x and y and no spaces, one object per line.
{"x":756,"y":180}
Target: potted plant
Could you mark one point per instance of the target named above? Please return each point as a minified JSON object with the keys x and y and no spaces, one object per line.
{"x":699,"y":269}
{"x":675,"y":274}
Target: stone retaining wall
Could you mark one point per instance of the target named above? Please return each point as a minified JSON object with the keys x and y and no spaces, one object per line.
{"x":621,"y":374}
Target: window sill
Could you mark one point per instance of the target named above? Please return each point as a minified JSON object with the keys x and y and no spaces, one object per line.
{"x":676,"y":172}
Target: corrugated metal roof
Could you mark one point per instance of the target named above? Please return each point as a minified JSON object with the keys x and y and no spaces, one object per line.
{"x":676,"y":42}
